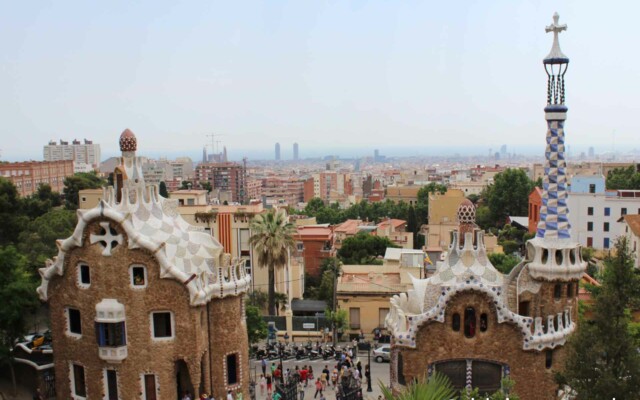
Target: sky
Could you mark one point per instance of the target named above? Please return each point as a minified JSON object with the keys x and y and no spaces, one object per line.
{"x":337,"y":77}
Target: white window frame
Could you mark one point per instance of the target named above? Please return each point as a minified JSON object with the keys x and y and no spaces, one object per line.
{"x":72,"y":381}
{"x":68,"y":321}
{"x":79,"y":269}
{"x":146,"y":276}
{"x":173,"y":326}
{"x":105,"y":383}
{"x":143,"y":387}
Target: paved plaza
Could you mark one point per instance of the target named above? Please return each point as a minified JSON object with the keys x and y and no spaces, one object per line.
{"x":379,"y":373}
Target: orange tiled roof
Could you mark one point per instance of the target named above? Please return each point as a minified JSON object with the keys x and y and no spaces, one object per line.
{"x":633,"y":220}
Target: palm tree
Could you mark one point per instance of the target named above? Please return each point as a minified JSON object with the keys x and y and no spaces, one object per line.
{"x":437,"y":387}
{"x":272,"y":238}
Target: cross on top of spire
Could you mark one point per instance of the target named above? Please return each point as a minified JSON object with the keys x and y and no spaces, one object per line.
{"x":556,"y":56}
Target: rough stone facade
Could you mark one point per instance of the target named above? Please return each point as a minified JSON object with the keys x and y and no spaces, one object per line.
{"x":500,"y":343}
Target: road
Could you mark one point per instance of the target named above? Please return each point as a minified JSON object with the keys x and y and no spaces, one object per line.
{"x":379,"y":372}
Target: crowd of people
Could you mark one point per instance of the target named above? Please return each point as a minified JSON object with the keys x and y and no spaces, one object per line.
{"x":345,"y":374}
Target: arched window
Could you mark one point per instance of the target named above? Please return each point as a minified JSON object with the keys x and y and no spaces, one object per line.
{"x":470,"y":322}
{"x":455,"y":322}
{"x":557,"y":291}
{"x":484,"y":322}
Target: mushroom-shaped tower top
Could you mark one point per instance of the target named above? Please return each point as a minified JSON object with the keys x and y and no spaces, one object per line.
{"x":128,"y":141}
{"x":467,"y":213}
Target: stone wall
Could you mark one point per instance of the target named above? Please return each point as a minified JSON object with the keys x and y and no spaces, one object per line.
{"x":228,"y":337}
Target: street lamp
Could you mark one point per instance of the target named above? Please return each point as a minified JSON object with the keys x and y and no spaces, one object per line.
{"x":368,"y":346}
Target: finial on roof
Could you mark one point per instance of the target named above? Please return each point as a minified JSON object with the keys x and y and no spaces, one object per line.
{"x":128,"y":141}
{"x":556,"y":56}
{"x":466,"y":213}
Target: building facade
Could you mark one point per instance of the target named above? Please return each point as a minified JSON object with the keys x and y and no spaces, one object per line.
{"x":81,"y":153}
{"x":28,"y":175}
{"x":476,"y":325}
{"x":225,"y":177}
{"x":142,"y":304}
{"x":596,"y":211}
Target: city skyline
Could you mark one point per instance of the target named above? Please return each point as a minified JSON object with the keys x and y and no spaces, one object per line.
{"x":347,"y":77}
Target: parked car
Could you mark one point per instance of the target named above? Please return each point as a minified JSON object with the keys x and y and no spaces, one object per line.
{"x":382,"y":353}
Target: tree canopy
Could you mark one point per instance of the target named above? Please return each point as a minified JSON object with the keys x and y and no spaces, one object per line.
{"x":508,"y":195}
{"x":80,"y":181}
{"x":623,"y":179}
{"x":17,"y":300}
{"x":256,"y":326}
{"x":603,"y":359}
{"x":363,"y":248}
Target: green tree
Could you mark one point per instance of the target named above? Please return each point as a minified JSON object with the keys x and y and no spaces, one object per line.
{"x":436,"y":387}
{"x":363,"y":248}
{"x":38,"y":239}
{"x":602,"y":357}
{"x":163,"y":190}
{"x":256,"y":327}
{"x":509,"y":195}
{"x":339,"y":321}
{"x":281,"y":300}
{"x":503,"y":262}
{"x":40,"y":202}
{"x":623,"y":178}
{"x":11,"y":218}
{"x":272,"y":240}
{"x":77,"y":182}
{"x":17,"y":300}
{"x":206,"y":186}
{"x":314,"y":206}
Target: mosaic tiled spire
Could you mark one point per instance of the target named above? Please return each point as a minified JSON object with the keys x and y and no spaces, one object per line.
{"x":554,"y":213}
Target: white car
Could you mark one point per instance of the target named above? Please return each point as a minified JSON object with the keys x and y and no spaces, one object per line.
{"x":382,"y":353}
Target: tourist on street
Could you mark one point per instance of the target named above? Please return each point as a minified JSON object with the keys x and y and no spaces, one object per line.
{"x":367,"y":373}
{"x":300,"y":390}
{"x":263,"y":363}
{"x":303,"y":375}
{"x":263,"y":384}
{"x":269,"y":381}
{"x":318,"y":388}
{"x":229,"y":395}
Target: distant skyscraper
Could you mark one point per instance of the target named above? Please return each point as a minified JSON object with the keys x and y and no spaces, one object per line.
{"x":295,"y":151}
{"x":277,"y":151}
{"x":591,"y":152}
{"x":204,"y":155}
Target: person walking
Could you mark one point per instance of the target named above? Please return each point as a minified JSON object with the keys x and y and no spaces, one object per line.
{"x":318,"y":388}
{"x":263,"y":385}
{"x":367,"y":373}
{"x":263,"y":364}
{"x":269,"y":382}
{"x":300,"y":390}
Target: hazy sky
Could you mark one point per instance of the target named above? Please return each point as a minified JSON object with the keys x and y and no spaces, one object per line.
{"x":329,"y":75}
